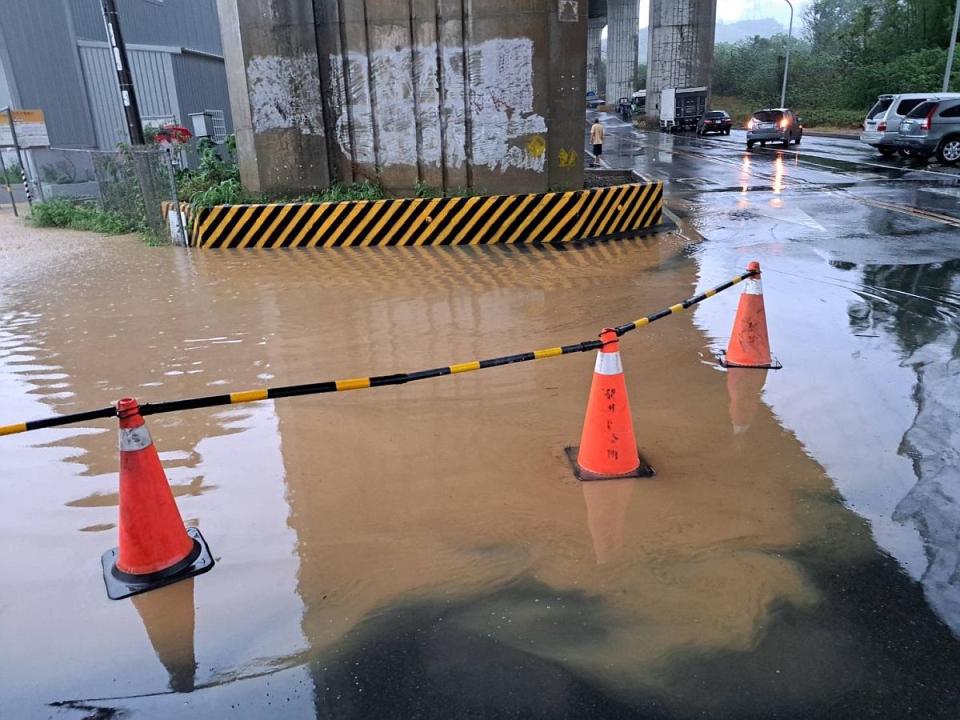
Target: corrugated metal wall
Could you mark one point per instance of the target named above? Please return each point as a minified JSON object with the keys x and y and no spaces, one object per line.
{"x":153,"y":79}
{"x":45,"y":69}
{"x":201,"y":85}
{"x":178,"y":23}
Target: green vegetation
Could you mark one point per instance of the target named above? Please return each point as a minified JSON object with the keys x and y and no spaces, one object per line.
{"x":854,"y":50}
{"x":60,"y":212}
{"x":12,"y":175}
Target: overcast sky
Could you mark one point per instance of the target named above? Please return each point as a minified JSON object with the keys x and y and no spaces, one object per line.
{"x":733,"y":10}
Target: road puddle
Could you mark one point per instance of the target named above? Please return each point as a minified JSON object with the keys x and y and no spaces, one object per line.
{"x":423,"y":550}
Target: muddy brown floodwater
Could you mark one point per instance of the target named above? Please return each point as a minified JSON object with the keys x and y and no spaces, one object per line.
{"x":424,"y":551}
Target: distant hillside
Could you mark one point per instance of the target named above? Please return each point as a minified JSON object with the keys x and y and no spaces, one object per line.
{"x":731,"y":32}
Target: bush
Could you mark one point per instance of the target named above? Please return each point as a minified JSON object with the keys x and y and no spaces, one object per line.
{"x":60,"y":212}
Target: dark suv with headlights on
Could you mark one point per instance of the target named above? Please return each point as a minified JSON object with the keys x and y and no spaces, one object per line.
{"x":715,"y":121}
{"x":932,"y":128}
{"x":774,"y":125}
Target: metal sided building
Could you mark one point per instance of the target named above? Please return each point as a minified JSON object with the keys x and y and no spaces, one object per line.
{"x":54,"y":56}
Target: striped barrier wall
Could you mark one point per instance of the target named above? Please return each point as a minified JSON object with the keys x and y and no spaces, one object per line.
{"x":556,"y":217}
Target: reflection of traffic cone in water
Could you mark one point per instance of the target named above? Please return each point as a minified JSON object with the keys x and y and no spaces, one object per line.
{"x":155,"y":548}
{"x":749,"y":345}
{"x":607,"y":504}
{"x":608,"y":448}
{"x":169,"y":618}
{"x":744,"y":386}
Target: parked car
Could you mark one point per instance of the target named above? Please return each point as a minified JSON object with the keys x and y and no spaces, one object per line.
{"x":715,"y":121}
{"x":882,"y":125}
{"x":932,"y":128}
{"x":774,"y":125}
{"x":593,"y":100}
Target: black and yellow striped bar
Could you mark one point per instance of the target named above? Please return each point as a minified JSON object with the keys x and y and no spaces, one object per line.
{"x":554,"y":217}
{"x":362,"y":383}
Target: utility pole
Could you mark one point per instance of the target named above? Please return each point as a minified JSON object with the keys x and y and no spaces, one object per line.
{"x":786,"y":64}
{"x":952,"y":50}
{"x":127,"y":95}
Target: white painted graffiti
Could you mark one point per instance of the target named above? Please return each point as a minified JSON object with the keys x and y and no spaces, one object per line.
{"x":392,"y":92}
{"x":285,"y":94}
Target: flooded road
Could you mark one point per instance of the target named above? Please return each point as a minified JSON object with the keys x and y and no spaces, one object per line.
{"x":424,"y":551}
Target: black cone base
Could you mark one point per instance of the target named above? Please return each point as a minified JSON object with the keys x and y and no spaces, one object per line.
{"x":642,"y":471}
{"x":120,"y":584}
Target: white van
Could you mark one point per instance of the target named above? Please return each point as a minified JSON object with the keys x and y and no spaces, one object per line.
{"x":883,"y":121}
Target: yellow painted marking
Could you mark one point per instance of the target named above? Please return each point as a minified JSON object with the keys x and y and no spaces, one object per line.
{"x":676,"y":309}
{"x":596,"y":196}
{"x":465,"y":367}
{"x":373,"y":234}
{"x":505,"y":202}
{"x":710,"y":293}
{"x":548,"y":353}
{"x":244,"y":216}
{"x":642,"y":322}
{"x":641,"y":201}
{"x":568,"y":212}
{"x":518,"y":210}
{"x":248,"y":235}
{"x":227,"y":212}
{"x":424,"y":209}
{"x":370,"y":209}
{"x":531,"y":214}
{"x":477,"y":214}
{"x":13,"y":429}
{"x":650,"y":200}
{"x":353,"y":384}
{"x":564,"y":201}
{"x":598,"y":212}
{"x":311,"y":225}
{"x":246,"y":396}
{"x":610,"y":215}
{"x":358,"y":207}
{"x":412,"y":207}
{"x":467,"y":206}
{"x":435,"y":221}
{"x":292,"y":224}
{"x":284,"y":211}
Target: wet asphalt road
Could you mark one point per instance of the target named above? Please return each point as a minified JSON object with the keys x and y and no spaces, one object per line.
{"x":423,"y":551}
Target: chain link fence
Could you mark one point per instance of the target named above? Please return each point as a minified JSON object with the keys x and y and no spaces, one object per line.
{"x":136,"y":183}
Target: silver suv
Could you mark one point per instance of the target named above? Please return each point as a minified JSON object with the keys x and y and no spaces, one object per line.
{"x":883,"y":121}
{"x":774,"y":125}
{"x":932,"y":128}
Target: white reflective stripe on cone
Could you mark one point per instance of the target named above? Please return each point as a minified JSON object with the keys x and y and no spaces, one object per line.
{"x":608,"y":364}
{"x":133,"y":439}
{"x":752,"y":287}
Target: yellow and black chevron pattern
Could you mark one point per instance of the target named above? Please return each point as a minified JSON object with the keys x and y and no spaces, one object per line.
{"x":543,"y":218}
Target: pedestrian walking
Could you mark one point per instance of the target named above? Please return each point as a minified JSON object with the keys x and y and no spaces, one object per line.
{"x":596,"y":137}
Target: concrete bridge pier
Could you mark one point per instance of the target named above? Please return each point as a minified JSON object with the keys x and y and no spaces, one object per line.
{"x":623,"y":21}
{"x":595,"y":26}
{"x":680,"y":48}
{"x":479,"y":94}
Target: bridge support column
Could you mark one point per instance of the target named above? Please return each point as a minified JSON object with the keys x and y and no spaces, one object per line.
{"x":622,"y":47}
{"x":595,"y":27}
{"x":680,"y":48}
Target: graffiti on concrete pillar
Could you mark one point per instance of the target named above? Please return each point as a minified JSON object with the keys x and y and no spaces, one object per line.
{"x":382,"y":84}
{"x":285,"y":94}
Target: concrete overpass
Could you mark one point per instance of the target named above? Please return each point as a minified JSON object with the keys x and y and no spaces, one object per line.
{"x":479,"y":94}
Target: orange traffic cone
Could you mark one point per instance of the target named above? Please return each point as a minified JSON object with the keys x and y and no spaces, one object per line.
{"x":155,"y":548}
{"x":608,"y":448}
{"x":749,"y":345}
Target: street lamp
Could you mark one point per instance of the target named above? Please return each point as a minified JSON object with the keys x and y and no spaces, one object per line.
{"x":786,"y":64}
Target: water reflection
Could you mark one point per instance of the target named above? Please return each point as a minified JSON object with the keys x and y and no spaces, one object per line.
{"x":744,"y":386}
{"x":918,"y":306}
{"x":607,"y":504}
{"x":169,"y":617}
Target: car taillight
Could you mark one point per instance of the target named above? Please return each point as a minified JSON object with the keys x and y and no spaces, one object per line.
{"x":928,"y":120}
{"x":881,"y":127}
{"x":752,"y":124}
{"x":784,"y":123}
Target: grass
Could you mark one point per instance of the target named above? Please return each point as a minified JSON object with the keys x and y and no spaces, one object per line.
{"x":824,"y":119}
{"x":59,"y":212}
